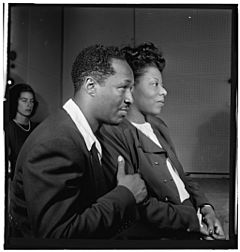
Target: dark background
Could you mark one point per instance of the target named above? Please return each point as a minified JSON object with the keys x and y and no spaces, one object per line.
{"x":199,"y":43}
{"x":196,"y":43}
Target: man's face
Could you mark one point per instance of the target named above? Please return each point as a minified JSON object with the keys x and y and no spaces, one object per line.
{"x":114,"y":93}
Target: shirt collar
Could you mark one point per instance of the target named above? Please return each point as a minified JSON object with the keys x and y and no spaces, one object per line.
{"x":82,"y":124}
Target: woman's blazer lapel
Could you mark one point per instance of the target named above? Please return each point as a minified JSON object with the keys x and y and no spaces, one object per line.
{"x":162,"y":134}
{"x":153,"y":167}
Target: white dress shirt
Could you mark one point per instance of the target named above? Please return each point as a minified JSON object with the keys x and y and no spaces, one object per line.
{"x":83,"y":126}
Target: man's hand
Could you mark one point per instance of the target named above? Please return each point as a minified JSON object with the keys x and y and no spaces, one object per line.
{"x":214,"y":226}
{"x":133,"y":182}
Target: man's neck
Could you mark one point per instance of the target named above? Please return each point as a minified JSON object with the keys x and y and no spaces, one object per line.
{"x":24,"y":120}
{"x":87,"y":112}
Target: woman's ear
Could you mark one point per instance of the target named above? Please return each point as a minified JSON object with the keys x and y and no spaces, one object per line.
{"x":90,"y":86}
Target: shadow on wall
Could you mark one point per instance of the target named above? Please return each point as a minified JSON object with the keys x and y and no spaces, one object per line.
{"x":212,"y":151}
{"x":42,"y":110}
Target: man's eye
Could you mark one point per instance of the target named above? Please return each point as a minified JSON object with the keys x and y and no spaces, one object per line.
{"x":155,"y":84}
{"x":123,"y":87}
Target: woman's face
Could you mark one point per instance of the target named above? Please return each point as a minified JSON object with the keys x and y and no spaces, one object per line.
{"x":25,"y":104}
{"x":148,"y":92}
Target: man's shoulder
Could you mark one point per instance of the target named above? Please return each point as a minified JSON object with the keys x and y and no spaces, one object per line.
{"x":59,"y":119}
{"x":58,"y":125}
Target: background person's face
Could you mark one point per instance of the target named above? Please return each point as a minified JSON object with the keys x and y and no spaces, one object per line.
{"x":25,"y":104}
{"x":148,"y":92}
{"x":115,"y":93}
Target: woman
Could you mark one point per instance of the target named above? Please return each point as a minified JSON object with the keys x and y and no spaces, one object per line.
{"x":174,"y":203}
{"x":22,"y":106}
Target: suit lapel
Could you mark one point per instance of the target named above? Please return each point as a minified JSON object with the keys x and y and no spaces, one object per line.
{"x":96,"y":185}
{"x":163,"y":136}
{"x":153,"y":165}
{"x":147,"y":144}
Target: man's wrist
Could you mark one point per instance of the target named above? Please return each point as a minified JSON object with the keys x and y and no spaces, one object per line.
{"x":204,"y":209}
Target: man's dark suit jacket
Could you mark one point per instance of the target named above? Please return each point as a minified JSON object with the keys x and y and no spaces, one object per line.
{"x":164,"y":210}
{"x":53,"y":194}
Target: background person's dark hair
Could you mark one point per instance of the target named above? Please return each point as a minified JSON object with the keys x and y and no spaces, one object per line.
{"x":94,"y":61}
{"x":14,"y":94}
{"x":142,"y":56}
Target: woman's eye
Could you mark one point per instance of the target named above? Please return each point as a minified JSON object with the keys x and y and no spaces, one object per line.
{"x":155,"y":84}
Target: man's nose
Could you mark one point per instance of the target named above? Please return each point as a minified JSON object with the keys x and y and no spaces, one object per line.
{"x":128,"y":97}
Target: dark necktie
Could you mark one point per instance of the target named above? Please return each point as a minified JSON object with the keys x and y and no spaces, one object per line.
{"x":100,"y":183}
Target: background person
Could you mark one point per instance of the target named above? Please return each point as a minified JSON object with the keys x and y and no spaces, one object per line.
{"x":176,"y":208}
{"x":22,"y":106}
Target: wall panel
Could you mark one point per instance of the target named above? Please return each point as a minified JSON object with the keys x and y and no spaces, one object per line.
{"x":84,"y":26}
{"x":197,"y":46}
{"x":36,"y":37}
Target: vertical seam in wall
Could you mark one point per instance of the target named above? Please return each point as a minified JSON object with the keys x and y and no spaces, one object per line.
{"x":134,"y":27}
{"x":62,"y":53}
{"x":233,"y":130}
{"x":28,"y":43}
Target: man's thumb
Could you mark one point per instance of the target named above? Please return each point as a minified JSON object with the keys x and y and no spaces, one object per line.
{"x":121,"y":167}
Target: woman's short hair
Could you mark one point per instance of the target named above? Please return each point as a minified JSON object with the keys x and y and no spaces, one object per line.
{"x":14,"y":95}
{"x":142,"y":56}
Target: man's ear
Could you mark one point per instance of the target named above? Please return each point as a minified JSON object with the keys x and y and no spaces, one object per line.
{"x":90,"y":86}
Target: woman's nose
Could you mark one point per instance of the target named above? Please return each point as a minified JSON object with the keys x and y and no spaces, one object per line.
{"x":30,"y":104}
{"x":163,"y":91}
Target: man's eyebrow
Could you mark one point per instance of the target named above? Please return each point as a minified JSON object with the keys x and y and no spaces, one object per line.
{"x":128,"y":81}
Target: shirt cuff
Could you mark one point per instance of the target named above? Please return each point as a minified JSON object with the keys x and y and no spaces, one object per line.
{"x":199,"y":215}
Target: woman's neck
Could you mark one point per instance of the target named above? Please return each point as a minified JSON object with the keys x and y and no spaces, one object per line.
{"x":22,"y":119}
{"x":135,"y":116}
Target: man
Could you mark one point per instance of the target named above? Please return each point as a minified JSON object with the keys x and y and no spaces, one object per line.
{"x":59,"y":189}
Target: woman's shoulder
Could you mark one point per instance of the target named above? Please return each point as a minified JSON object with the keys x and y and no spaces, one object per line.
{"x":124,"y":124}
{"x":156,"y":121}
{"x":122,"y":130}
{"x":34,"y":124}
{"x":11,"y":123}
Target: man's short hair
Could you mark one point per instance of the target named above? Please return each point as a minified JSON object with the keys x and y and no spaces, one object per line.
{"x":94,"y":61}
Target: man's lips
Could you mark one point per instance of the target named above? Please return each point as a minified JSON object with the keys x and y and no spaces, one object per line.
{"x":124,"y":108}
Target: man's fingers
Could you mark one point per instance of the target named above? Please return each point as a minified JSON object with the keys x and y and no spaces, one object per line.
{"x":121,"y":167}
{"x":219,"y":236}
{"x":210,"y":226}
{"x":208,"y":238}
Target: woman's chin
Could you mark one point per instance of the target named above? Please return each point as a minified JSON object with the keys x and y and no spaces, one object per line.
{"x":156,"y":112}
